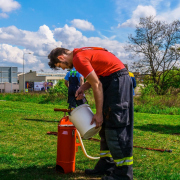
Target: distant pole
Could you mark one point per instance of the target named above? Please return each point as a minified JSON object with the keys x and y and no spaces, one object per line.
{"x":11,"y":80}
{"x":23,"y":72}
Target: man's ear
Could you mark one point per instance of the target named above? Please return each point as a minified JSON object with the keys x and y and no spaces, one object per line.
{"x":61,"y":57}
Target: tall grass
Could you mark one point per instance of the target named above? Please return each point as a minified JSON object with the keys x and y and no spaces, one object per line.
{"x":44,"y":98}
{"x":24,"y":97}
{"x":164,"y":104}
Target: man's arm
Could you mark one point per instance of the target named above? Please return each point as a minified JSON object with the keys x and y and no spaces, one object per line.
{"x":80,"y":91}
{"x":96,"y":85}
{"x":93,"y":81}
{"x":134,"y":81}
{"x":81,"y":80}
{"x":67,"y":80}
{"x":66,"y":83}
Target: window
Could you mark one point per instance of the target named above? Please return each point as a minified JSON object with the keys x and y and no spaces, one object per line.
{"x":14,"y":90}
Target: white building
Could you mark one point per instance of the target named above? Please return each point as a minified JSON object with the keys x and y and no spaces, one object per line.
{"x":33,"y":76}
{"x":9,"y":80}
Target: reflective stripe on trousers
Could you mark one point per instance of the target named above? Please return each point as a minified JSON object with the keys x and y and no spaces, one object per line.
{"x":105,"y":154}
{"x":119,"y":162}
{"x":125,"y":161}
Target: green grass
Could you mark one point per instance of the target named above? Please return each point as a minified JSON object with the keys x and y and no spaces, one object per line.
{"x":28,"y":153}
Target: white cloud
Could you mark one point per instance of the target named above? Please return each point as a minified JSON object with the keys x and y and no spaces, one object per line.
{"x":71,"y":38}
{"x":170,"y":15}
{"x":155,"y":3}
{"x":45,"y":33}
{"x":136,"y":9}
{"x":145,"y":11}
{"x":82,"y":24}
{"x":39,"y":42}
{"x":140,"y":12}
{"x":9,"y":5}
{"x":11,"y":54}
{"x":14,"y":42}
{"x":3,"y":15}
{"x":124,"y":9}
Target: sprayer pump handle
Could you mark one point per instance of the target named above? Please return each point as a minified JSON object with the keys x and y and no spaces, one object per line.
{"x":63,"y":110}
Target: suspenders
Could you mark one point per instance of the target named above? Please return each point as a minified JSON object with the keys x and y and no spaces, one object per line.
{"x":73,"y":72}
{"x":89,"y":48}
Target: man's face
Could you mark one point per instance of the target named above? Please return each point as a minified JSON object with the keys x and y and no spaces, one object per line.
{"x":63,"y":63}
{"x":70,"y":66}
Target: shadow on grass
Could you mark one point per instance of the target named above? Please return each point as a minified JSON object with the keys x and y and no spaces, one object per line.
{"x":163,"y":129}
{"x":41,"y":120}
{"x":42,"y":173}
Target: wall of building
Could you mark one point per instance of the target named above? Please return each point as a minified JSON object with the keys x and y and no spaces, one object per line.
{"x":8,"y":74}
{"x":9,"y":87}
{"x":31,"y":76}
{"x":8,"y":80}
{"x":39,"y":77}
{"x":54,"y":79}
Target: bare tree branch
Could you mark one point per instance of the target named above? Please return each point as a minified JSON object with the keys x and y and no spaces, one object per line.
{"x":156,"y":43}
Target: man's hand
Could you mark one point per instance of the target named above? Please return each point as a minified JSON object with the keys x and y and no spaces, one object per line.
{"x":79,"y":94}
{"x":80,"y":91}
{"x":98,"y":119}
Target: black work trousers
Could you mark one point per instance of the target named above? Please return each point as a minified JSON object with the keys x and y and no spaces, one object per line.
{"x":74,"y":84}
{"x":117,"y":129}
{"x":72,"y":99}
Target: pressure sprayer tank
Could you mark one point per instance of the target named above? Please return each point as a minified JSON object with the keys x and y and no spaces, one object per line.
{"x":66,"y":146}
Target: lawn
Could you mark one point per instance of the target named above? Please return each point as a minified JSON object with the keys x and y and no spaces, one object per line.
{"x":28,"y":153}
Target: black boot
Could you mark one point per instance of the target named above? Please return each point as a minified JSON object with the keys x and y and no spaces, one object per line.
{"x":120,"y":173}
{"x":103,"y":166}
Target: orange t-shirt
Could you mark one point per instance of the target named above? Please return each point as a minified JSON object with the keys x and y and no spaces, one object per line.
{"x":102,"y":62}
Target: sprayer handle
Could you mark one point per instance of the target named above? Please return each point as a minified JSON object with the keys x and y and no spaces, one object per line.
{"x":63,"y":110}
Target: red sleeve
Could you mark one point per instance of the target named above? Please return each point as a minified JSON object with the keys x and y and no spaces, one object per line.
{"x":82,"y":65}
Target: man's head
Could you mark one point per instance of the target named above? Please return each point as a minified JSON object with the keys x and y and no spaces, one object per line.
{"x":60,"y":57}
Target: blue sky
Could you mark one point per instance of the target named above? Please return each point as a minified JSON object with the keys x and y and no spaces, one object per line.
{"x":37,"y":26}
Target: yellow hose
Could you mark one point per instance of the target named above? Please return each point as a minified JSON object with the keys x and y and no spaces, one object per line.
{"x":83,"y":149}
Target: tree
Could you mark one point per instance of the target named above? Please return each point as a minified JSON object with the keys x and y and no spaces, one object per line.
{"x":157,"y":45}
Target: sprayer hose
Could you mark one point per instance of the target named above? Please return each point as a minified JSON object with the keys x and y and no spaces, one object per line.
{"x":83,"y":148}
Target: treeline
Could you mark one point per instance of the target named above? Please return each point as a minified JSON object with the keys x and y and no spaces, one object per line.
{"x":147,"y":102}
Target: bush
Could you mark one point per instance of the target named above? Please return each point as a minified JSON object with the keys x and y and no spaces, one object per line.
{"x":156,"y":104}
{"x":59,"y":91}
{"x":148,"y":89}
{"x":148,"y":102}
{"x":56,"y":95}
{"x":169,"y":82}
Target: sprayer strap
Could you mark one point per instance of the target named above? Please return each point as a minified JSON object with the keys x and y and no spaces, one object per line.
{"x":71,"y":72}
{"x":89,"y":48}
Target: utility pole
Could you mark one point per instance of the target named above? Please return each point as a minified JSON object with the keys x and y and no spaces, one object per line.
{"x":23,"y":72}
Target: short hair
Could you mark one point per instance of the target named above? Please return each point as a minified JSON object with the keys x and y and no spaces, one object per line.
{"x":53,"y":56}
